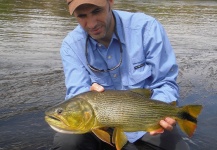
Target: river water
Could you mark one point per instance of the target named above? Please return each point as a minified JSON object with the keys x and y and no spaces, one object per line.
{"x":31,"y":76}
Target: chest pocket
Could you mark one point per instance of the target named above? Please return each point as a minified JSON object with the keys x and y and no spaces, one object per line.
{"x":137,"y":75}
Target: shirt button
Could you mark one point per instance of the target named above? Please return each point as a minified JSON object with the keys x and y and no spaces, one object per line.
{"x":109,"y":57}
{"x":115,"y":75}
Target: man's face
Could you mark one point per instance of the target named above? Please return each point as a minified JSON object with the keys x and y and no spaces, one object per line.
{"x":96,"y":21}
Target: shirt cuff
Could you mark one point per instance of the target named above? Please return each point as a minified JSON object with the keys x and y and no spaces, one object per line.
{"x":134,"y":136}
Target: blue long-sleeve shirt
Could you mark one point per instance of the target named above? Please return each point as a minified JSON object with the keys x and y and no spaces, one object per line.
{"x":148,"y":60}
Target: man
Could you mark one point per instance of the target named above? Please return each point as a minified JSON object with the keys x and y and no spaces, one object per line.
{"x":118,"y":50}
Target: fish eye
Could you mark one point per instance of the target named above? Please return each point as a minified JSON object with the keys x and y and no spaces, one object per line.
{"x":59,"y":111}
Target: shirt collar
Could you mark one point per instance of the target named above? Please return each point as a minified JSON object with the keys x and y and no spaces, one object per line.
{"x":119,"y":29}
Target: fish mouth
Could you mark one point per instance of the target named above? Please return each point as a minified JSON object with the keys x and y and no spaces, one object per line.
{"x":59,"y":125}
{"x":54,"y":118}
{"x":56,"y":121}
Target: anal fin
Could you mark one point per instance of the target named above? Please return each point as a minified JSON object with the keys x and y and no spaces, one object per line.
{"x":119,"y":138}
{"x":102,"y":135}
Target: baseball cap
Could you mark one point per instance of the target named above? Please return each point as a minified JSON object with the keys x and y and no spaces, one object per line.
{"x":73,"y":4}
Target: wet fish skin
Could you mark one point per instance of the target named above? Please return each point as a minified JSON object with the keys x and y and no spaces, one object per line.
{"x":130,"y":110}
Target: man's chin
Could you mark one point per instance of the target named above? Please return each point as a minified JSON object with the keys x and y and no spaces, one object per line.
{"x":97,"y":36}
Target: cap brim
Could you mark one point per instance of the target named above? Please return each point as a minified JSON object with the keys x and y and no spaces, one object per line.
{"x":75,"y":3}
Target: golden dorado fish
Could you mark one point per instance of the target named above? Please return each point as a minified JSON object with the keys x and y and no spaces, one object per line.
{"x":125,"y":111}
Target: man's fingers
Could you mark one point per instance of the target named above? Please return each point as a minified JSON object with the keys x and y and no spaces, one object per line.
{"x":170,"y":121}
{"x":166,"y":125}
{"x":97,"y":87}
{"x":159,"y":131}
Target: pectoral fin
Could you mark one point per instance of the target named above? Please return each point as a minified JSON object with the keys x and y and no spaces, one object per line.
{"x":119,"y":138}
{"x":102,"y":135}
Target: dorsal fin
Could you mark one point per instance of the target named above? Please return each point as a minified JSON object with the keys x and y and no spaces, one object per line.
{"x":173,"y":103}
{"x":145,"y":92}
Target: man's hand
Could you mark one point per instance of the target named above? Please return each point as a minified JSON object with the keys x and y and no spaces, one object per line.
{"x":166,"y":124}
{"x":97,"y":87}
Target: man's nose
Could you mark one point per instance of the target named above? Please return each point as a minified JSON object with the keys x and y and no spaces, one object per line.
{"x":91,"y":22}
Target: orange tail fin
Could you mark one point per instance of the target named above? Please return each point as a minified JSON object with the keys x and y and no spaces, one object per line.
{"x":187,"y":118}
